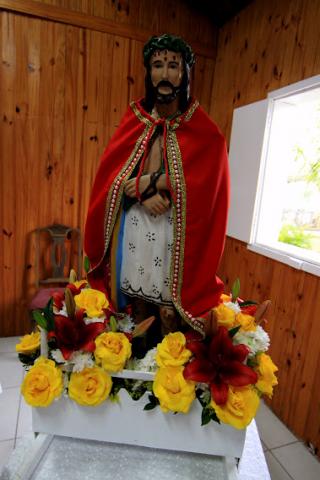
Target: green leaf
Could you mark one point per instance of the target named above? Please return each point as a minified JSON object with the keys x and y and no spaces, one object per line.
{"x":39,"y":318}
{"x":28,"y":360}
{"x":205,"y":416}
{"x":113,"y":324}
{"x":48,"y":313}
{"x":86,"y":264}
{"x":235,"y":290}
{"x":234,"y":330}
{"x":247,"y":303}
{"x":114,"y":398}
{"x":153,"y":399}
{"x":150,"y":406}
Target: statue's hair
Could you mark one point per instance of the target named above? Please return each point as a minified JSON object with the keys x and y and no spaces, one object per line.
{"x":168,"y":42}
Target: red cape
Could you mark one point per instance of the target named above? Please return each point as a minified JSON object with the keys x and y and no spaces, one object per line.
{"x":198,"y":172}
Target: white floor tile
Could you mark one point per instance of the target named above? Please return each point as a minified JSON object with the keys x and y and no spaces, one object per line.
{"x":9,"y":404}
{"x":25,"y":419}
{"x":298,"y":461}
{"x":272,"y":431}
{"x":11,"y":370}
{"x":277,"y":472}
{"x":6,"y":448}
{"x":8,"y":344}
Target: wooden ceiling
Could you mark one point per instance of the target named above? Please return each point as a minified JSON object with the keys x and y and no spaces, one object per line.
{"x":219,"y":11}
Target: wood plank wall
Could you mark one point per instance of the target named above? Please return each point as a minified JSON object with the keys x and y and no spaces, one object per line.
{"x":267,"y":46}
{"x":63,"y":90}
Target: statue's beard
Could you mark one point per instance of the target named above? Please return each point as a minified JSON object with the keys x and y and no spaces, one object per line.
{"x":166,"y":98}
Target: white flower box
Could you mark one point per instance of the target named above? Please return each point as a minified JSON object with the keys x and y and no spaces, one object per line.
{"x":127,"y":423}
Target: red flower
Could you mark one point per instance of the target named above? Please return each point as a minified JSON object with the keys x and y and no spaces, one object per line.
{"x":249,"y":310}
{"x":219,"y":364}
{"x":58,"y":298}
{"x":73,"y":334}
{"x":76,"y":290}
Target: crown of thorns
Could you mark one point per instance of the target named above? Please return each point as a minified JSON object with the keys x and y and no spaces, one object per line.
{"x":168,"y":42}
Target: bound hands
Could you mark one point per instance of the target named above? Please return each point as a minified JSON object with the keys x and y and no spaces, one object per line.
{"x":130,"y":187}
{"x":157,"y":204}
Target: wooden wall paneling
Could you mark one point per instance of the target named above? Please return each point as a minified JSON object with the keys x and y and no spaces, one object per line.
{"x":27,"y":152}
{"x":74,"y":100}
{"x":306,"y":355}
{"x":120,"y":82}
{"x":136,"y":74}
{"x":60,"y":129}
{"x":8,"y":172}
{"x":203,"y":75}
{"x":48,"y":179}
{"x":285,"y":284}
{"x":312,"y":429}
{"x":195,"y":27}
{"x":264,"y":48}
{"x":93,"y":135}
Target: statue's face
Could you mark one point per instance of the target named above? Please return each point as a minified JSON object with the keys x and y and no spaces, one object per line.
{"x":166,"y":71}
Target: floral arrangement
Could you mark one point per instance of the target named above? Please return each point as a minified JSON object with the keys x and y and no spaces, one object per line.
{"x":81,"y":344}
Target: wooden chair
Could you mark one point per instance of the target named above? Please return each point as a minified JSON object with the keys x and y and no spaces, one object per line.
{"x":56,"y":248}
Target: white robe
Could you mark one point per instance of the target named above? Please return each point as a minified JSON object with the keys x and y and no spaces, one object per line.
{"x":146,"y":255}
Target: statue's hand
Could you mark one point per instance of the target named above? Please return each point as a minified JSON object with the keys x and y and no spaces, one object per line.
{"x":130,"y":186}
{"x":157,"y":205}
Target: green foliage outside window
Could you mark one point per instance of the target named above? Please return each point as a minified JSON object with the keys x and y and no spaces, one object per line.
{"x":295,"y":235}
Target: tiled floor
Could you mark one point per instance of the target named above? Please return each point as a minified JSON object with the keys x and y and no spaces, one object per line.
{"x":287,"y":457}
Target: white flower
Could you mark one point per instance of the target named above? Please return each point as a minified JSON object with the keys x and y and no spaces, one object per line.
{"x":88,"y":320}
{"x":57,"y":356}
{"x":126,"y":324}
{"x":147,"y":363}
{"x":81,"y":360}
{"x":257,"y":341}
{"x":233,"y":306}
{"x":63,"y":312}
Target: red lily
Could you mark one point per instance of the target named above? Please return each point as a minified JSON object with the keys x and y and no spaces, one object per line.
{"x":76,"y":290}
{"x":249,"y":310}
{"x":73,"y":334}
{"x":219,"y":364}
{"x":58,"y":298}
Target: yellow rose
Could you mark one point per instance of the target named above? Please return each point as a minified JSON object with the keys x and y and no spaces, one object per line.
{"x":225,"y":298}
{"x":90,"y":387}
{"x":240,"y":408}
{"x":42,"y":384}
{"x":112,"y":351}
{"x":172,"y":351}
{"x":79,"y":283}
{"x":29,"y":343}
{"x":266,"y":377}
{"x":92,"y":301}
{"x":172,"y":390}
{"x":247,"y":322}
{"x":226,"y":317}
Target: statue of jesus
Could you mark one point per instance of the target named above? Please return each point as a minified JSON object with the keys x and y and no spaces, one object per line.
{"x":157,"y":216}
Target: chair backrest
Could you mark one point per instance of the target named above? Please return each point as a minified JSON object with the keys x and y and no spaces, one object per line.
{"x":58,"y":248}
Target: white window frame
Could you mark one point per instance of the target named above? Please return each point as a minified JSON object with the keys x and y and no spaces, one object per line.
{"x":248,"y":157}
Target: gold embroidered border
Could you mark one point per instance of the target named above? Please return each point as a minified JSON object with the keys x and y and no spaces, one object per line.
{"x":141,"y":117}
{"x":191,"y":110}
{"x":116,"y":193}
{"x":179,"y":214}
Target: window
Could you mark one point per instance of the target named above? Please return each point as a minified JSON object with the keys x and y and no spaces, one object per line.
{"x":275,"y":175}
